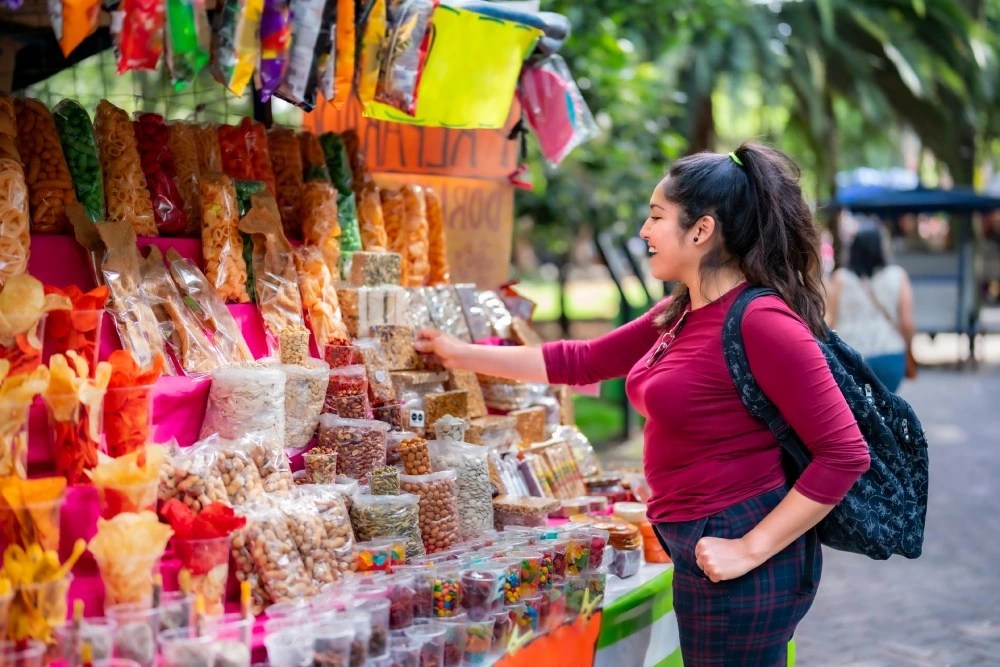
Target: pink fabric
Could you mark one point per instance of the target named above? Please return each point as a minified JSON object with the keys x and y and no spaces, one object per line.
{"x":703,"y":450}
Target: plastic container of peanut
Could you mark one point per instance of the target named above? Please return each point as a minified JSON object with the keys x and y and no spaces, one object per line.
{"x":359,"y":443}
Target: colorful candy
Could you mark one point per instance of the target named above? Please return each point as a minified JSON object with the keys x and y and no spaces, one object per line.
{"x":446,"y":595}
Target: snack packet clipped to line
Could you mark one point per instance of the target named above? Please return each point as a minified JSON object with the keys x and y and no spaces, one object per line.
{"x":345,"y":44}
{"x":140,"y":41}
{"x":307,"y":20}
{"x":371,"y":21}
{"x":275,"y":40}
{"x":237,"y":43}
{"x":407,"y":44}
{"x":73,"y":21}
{"x":188,"y":40}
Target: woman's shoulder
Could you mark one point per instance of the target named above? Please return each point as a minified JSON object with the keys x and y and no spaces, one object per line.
{"x":770,"y":313}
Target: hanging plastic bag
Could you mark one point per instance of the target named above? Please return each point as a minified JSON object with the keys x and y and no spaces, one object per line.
{"x":124,"y":183}
{"x":184,"y":145}
{"x":468,"y":78}
{"x":371,"y":22}
{"x":50,"y":186}
{"x":255,"y":136}
{"x":77,"y":135}
{"x":345,"y":44}
{"x":307,"y":20}
{"x":405,"y":52}
{"x":437,"y":250}
{"x":286,"y":163}
{"x":73,"y":21}
{"x":222,"y":244}
{"x":188,"y":40}
{"x":235,"y":153}
{"x":237,"y":43}
{"x":153,"y":141}
{"x":140,"y":41}
{"x":555,"y":109}
{"x":275,"y":39}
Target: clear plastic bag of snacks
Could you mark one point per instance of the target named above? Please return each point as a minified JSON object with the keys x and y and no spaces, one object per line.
{"x":474,"y":489}
{"x":438,"y":507}
{"x":305,"y":390}
{"x":384,"y":516}
{"x":242,"y":400}
{"x":360,"y":444}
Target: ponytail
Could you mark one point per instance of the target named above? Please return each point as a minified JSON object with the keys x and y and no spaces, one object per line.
{"x":767,"y":230}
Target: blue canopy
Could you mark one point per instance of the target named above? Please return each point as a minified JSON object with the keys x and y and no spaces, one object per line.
{"x":884,"y":201}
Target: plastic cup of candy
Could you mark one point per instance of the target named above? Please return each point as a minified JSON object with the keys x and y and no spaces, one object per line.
{"x":454,"y":639}
{"x":530,"y":564}
{"x":423,"y":588}
{"x":405,"y":651}
{"x":291,"y":647}
{"x":482,"y":587}
{"x":23,"y":654}
{"x":378,"y":609}
{"x":402,"y":592}
{"x":431,"y":635}
{"x":511,"y":580}
{"x":332,"y":644}
{"x":503,"y":624}
{"x":577,"y":553}
{"x":478,"y":639}
{"x":371,"y":556}
{"x":446,"y":594}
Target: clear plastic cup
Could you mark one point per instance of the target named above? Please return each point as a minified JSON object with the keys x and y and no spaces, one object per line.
{"x":532,"y":608}
{"x":454,"y":639}
{"x":431,"y":636}
{"x":176,"y":611}
{"x":511,"y":580}
{"x":423,"y":587}
{"x":231,"y":627}
{"x":503,"y":624}
{"x":291,"y":647}
{"x":482,"y":589}
{"x":378,"y":609}
{"x":182,"y":647}
{"x":447,"y":591}
{"x":98,"y":632}
{"x":577,"y":553}
{"x":371,"y":556}
{"x":116,"y":662}
{"x":30,"y":654}
{"x":530,"y":564}
{"x":298,"y":608}
{"x":135,"y":631}
{"x":478,"y":639}
{"x":37,"y":522}
{"x":557,"y":603}
{"x":361,"y":621}
{"x":402,"y":593}
{"x":405,"y":651}
{"x":332,"y":645}
{"x":208,"y":563}
{"x":44,"y":601}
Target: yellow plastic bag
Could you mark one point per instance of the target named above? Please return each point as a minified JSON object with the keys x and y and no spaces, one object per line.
{"x":470,"y":73}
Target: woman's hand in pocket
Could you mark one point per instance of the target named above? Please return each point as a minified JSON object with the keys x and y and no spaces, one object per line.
{"x":721,"y":559}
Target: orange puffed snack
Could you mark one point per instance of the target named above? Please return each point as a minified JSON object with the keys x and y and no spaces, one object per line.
{"x":50,"y":186}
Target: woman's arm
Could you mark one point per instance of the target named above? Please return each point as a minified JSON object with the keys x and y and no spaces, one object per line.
{"x":522,"y":363}
{"x":792,"y":372}
{"x":562,"y":362}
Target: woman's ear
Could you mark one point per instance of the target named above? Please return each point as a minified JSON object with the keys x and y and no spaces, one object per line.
{"x":703,"y":229}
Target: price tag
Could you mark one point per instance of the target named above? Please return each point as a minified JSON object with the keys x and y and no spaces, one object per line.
{"x":417,"y":418}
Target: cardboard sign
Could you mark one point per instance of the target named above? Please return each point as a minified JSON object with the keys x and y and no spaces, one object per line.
{"x":479,"y":223}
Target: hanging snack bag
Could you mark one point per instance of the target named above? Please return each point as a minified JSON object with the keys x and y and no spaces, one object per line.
{"x":321,"y":77}
{"x":286,"y":162}
{"x":307,"y":20}
{"x":235,"y":153}
{"x":237,"y":43}
{"x":313,"y":159}
{"x":50,"y":187}
{"x":275,"y":40}
{"x":222,"y":244}
{"x":124,"y":183}
{"x":319,"y":222}
{"x":407,"y":44}
{"x":140,"y":40}
{"x":437,"y":248}
{"x":340,"y":172}
{"x":77,"y":135}
{"x":371,"y":21}
{"x":188,"y":41}
{"x":394,"y":213}
{"x":209,"y":151}
{"x":153,"y":141}
{"x":371,"y":219}
{"x":184,"y":145}
{"x":416,"y":232}
{"x":255,"y":136}
{"x":319,"y":296}
{"x":345,"y":44}
{"x":73,"y":21}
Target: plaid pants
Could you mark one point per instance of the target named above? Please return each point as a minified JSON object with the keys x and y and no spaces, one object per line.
{"x":747,"y":621}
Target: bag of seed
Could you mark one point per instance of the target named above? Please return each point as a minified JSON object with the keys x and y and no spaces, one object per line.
{"x":475,"y":492}
{"x":385,"y":516}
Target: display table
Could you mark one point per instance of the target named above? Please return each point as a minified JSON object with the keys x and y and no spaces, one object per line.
{"x":639,"y":626}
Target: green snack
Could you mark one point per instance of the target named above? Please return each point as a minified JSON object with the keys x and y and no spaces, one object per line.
{"x":340,"y":172}
{"x":76,"y":133}
{"x":245,"y":190}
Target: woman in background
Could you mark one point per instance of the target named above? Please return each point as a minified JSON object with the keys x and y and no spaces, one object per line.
{"x":870,"y":304}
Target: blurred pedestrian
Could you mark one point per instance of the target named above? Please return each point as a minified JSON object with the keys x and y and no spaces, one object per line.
{"x":870,"y":304}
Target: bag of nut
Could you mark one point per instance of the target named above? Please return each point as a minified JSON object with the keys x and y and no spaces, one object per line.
{"x":238,"y":471}
{"x":438,"y":495}
{"x":359,"y":443}
{"x":191,"y":474}
{"x":305,"y":389}
{"x":475,"y":491}
{"x":332,"y":555}
{"x":268,"y":545}
{"x":271,"y":461}
{"x":384,"y":516}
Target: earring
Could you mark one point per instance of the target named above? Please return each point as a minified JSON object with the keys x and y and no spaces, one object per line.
{"x":696,"y":239}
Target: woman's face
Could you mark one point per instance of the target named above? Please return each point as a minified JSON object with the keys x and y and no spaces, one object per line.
{"x":671,"y":253}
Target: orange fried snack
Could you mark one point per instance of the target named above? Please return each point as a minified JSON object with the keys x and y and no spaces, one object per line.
{"x":128,"y":402}
{"x":29,"y":510}
{"x":16,"y":394}
{"x":22,"y":303}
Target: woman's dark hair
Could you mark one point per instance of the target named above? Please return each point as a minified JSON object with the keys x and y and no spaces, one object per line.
{"x":767,"y":231}
{"x":867,"y":252}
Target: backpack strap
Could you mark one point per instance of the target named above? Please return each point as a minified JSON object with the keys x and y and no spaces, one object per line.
{"x":756,"y":402}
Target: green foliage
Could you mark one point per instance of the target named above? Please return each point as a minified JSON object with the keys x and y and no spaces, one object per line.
{"x":832,"y":82}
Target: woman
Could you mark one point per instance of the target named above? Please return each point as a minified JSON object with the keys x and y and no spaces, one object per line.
{"x":745,"y":552}
{"x":870,"y":304}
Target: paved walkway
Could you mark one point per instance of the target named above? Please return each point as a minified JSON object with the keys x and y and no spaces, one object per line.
{"x":943,"y":609}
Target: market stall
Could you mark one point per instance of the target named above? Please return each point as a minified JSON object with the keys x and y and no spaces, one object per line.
{"x":217,"y":442}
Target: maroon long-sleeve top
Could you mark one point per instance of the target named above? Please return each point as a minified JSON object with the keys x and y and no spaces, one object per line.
{"x":703,"y":451}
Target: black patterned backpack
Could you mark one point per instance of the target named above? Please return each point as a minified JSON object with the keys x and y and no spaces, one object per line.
{"x":884,"y":512}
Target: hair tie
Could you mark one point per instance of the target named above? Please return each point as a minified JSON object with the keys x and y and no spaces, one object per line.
{"x":735,"y":159}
